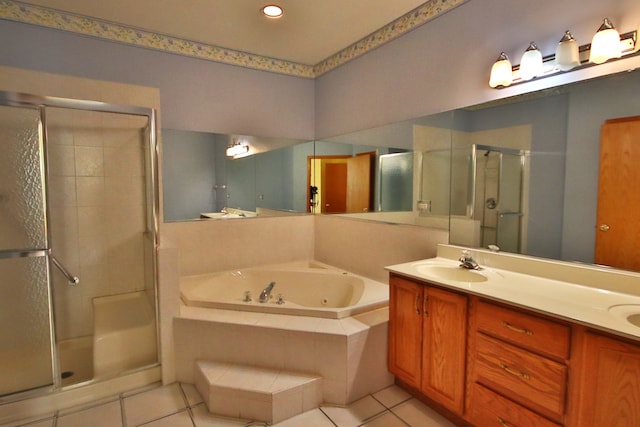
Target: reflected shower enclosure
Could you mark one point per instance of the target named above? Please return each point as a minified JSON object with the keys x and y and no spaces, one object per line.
{"x":487,"y":193}
{"x":77,"y":242}
{"x":395,"y":182}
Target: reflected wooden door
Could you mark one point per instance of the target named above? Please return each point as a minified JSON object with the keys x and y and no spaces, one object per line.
{"x":618,"y":225}
{"x":334,"y":187}
{"x":359,"y":182}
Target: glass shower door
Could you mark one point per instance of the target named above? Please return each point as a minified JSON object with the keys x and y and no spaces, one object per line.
{"x":26,"y":360}
{"x":395,"y":182}
{"x":510,"y":214}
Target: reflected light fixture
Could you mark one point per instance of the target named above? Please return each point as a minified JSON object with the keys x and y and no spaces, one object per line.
{"x":272,"y":11}
{"x":237,"y":149}
{"x":501,"y":74}
{"x":605,"y":44}
{"x":531,"y":63}
{"x":567,"y":53}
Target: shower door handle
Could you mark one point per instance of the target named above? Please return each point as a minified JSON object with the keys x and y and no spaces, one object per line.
{"x":72,"y":280}
{"x":503,"y":214}
{"x":32,"y":253}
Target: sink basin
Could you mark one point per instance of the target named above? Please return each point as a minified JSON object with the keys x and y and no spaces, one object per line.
{"x":634,"y":319}
{"x":627,"y":312}
{"x":452,"y":274}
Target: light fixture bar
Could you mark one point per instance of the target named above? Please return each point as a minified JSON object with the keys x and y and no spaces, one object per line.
{"x":628,"y":43}
{"x":237,"y":149}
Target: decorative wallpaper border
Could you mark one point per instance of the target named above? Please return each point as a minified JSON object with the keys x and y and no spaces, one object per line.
{"x":419,"y":16}
{"x":51,"y":18}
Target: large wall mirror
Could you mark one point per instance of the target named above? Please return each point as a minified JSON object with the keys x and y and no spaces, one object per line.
{"x":411,"y":170}
{"x":526,"y":172}
{"x":520,"y":173}
{"x":201,"y":181}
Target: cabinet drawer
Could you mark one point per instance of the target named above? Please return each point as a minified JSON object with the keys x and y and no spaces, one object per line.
{"x":489,"y":409}
{"x":540,"y":335}
{"x":531,"y":380}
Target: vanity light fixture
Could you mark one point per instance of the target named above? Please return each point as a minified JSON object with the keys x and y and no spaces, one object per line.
{"x":568,"y":56}
{"x":605,"y":44}
{"x":272,"y":11}
{"x":501,"y":74}
{"x":237,"y":149}
{"x":567,"y":52}
{"x":531,"y":63}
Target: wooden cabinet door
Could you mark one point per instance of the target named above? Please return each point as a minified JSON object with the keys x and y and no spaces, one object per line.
{"x":405,"y":329}
{"x":610,"y":389}
{"x":443,"y":348}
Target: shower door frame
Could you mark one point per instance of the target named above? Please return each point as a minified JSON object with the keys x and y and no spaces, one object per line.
{"x":41,"y":103}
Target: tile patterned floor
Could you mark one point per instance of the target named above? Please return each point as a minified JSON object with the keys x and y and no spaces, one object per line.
{"x":180,"y":405}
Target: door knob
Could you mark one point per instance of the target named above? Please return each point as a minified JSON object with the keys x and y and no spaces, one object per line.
{"x":604,"y":227}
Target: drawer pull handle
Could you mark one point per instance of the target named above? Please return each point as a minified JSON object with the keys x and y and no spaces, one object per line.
{"x":503,"y":423}
{"x":512,"y":372}
{"x":418,"y":304}
{"x":516,"y":329}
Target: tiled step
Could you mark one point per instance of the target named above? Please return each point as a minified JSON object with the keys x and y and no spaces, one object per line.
{"x":256,"y":393}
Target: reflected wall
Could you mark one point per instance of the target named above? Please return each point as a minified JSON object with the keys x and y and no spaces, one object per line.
{"x":199,"y":178}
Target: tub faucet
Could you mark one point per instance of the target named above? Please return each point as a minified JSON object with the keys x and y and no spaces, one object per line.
{"x":266,"y":292}
{"x":466,"y":261}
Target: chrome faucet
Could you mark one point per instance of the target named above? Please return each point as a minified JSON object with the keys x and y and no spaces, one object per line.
{"x":266,"y":292}
{"x":466,"y":261}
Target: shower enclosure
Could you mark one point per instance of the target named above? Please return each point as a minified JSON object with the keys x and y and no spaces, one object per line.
{"x":78,"y":228}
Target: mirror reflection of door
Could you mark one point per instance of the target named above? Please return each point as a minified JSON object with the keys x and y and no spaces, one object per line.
{"x":345,"y":183}
{"x":333,"y":191}
{"x":360,"y":182}
{"x":617,"y":226}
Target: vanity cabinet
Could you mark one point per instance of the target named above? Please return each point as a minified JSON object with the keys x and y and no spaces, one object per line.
{"x":427,"y":340}
{"x":493,"y":364}
{"x":609,"y":391}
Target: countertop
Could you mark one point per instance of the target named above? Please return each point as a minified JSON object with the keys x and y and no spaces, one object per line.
{"x":596,"y":307}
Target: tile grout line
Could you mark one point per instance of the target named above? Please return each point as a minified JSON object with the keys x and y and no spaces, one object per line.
{"x":399,"y":418}
{"x":187,"y":404}
{"x":395,"y":405}
{"x":391,"y":407}
{"x":328,"y":417}
{"x":122,"y":412}
{"x":376,"y":415}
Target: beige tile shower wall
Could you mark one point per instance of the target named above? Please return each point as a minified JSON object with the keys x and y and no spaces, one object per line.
{"x":366,"y":247}
{"x":97,"y":207}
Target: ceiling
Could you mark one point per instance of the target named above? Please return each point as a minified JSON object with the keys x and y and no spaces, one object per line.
{"x":309,"y":32}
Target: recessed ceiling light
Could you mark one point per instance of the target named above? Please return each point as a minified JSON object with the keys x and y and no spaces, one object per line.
{"x":272,"y":11}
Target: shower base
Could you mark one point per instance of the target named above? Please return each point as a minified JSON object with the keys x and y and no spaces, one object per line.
{"x":76,"y":360}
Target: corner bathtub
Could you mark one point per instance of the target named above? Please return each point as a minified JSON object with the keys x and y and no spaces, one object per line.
{"x":307,"y":288}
